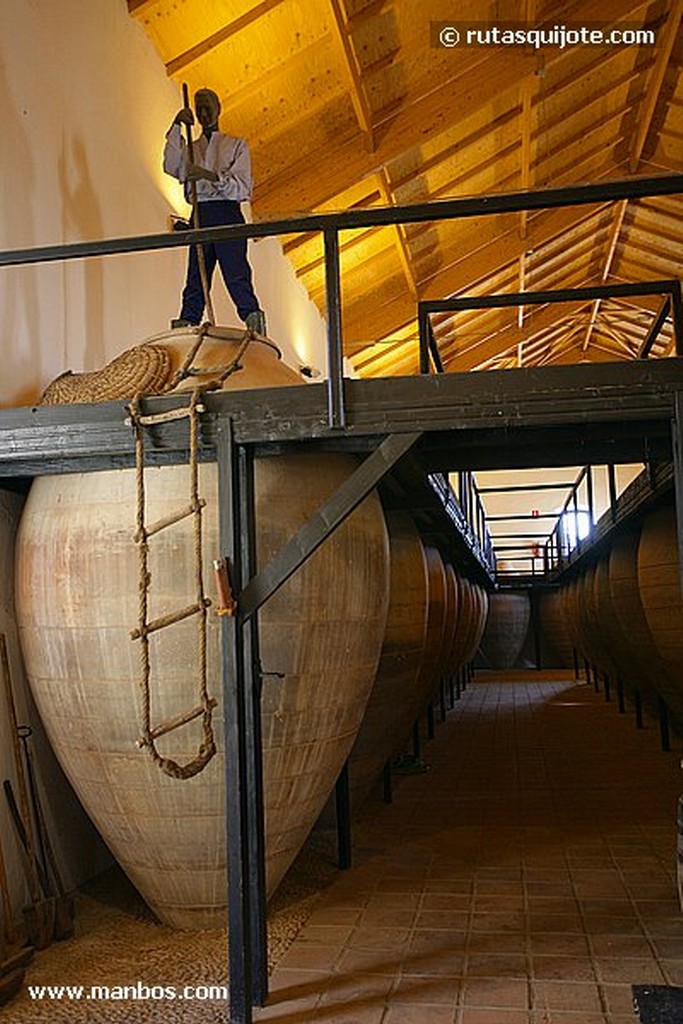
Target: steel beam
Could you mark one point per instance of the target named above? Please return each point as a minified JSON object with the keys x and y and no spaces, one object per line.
{"x":323,"y":522}
{"x":235,"y":672}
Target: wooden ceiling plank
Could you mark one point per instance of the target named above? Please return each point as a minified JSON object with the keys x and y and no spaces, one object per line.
{"x":353,"y":72}
{"x":200,"y":49}
{"x":647,"y":108}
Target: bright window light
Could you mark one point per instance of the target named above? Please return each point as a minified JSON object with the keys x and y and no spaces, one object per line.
{"x":575,"y":525}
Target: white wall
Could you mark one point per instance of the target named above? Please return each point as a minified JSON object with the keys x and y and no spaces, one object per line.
{"x":85,"y":103}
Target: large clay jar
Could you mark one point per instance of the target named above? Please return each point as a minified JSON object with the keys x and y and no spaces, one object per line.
{"x":398,"y":692}
{"x":506,"y":628}
{"x":555,"y":631}
{"x":660,"y":591}
{"x":648,"y":671}
{"x":321,"y":636}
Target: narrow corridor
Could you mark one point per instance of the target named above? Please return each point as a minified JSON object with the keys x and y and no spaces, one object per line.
{"x":528,"y":878}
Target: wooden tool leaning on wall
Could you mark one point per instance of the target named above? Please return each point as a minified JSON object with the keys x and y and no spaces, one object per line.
{"x":43,"y":921}
{"x":13,"y":957}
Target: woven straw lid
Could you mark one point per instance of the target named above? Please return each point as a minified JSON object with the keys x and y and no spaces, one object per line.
{"x":143,"y":370}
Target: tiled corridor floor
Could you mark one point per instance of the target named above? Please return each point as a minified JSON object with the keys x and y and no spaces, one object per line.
{"x":528,"y":878}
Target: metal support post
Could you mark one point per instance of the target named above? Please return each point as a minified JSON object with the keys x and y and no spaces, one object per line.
{"x":342,"y":803}
{"x":387,"y":793}
{"x":621,"y":700}
{"x":677,"y":438}
{"x":576,"y":664}
{"x":253,"y":686}
{"x":430,"y":720}
{"x":663,"y":713}
{"x":589,"y":496}
{"x":612,"y":484}
{"x":336,"y":412}
{"x":442,"y":699}
{"x":237,"y":672}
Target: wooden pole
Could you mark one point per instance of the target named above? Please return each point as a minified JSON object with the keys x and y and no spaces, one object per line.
{"x":195,"y":218}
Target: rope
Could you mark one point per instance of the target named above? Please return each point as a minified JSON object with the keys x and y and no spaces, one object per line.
{"x":207,"y":747}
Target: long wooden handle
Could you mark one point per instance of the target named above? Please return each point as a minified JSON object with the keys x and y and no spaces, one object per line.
{"x":195,"y":217}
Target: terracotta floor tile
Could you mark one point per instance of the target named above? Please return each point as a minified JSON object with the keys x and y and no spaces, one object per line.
{"x":453,"y":920}
{"x":558,"y":944}
{"x":428,"y":943}
{"x":387,"y":917}
{"x":505,"y":993}
{"x":672,"y":971}
{"x":505,"y":922}
{"x":621,"y":946}
{"x":618,"y":999}
{"x":418,"y":1013}
{"x":354,"y":986}
{"x":334,"y":916}
{"x":437,"y":990}
{"x":563,"y":968}
{"x":496,"y":942}
{"x":348,"y":1015}
{"x":472,"y":1015}
{"x":668,"y":948}
{"x":326,"y":934}
{"x":390,"y":939}
{"x":444,"y":963}
{"x":446,"y":901}
{"x":368,"y":961}
{"x":566,"y":995}
{"x":507,"y":858}
{"x":497,"y":965}
{"x":310,"y":955}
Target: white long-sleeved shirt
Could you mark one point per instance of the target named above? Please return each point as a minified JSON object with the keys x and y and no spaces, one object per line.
{"x":227,"y":156}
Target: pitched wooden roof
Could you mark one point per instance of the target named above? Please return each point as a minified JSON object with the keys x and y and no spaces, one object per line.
{"x":350,"y":103}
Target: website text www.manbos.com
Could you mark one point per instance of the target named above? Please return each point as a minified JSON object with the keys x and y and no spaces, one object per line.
{"x":452,"y":34}
{"x":139,"y":991}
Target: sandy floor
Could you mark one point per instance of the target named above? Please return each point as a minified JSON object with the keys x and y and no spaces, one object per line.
{"x":119,"y":943}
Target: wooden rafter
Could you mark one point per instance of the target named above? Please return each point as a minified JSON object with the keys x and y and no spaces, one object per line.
{"x":353,"y":71}
{"x":646,"y":110}
{"x":619,"y":214}
{"x":399,"y":231}
{"x":527,"y":90}
{"x":199,"y":50}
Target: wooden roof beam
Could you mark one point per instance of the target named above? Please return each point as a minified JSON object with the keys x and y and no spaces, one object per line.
{"x":645,"y":113}
{"x":399,"y":233}
{"x":183,"y":60}
{"x":340,"y":20}
{"x":617,"y":223}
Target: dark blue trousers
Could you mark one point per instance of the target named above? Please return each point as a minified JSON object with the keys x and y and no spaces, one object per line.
{"x":231,"y":257}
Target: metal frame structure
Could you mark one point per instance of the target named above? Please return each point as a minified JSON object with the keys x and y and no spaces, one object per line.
{"x":669,"y":288}
{"x":410,"y":430}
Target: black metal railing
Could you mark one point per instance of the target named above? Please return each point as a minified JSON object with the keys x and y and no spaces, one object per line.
{"x":330,"y":224}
